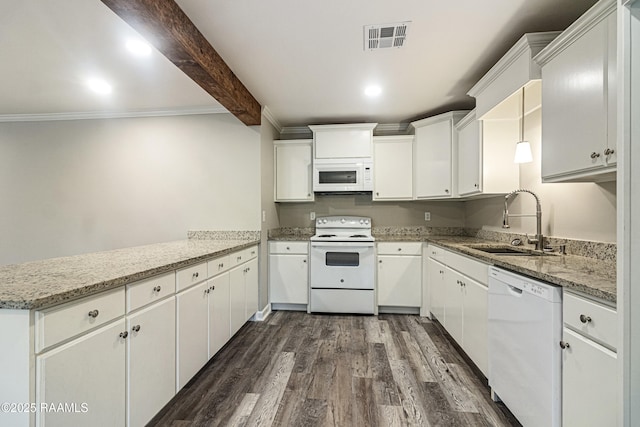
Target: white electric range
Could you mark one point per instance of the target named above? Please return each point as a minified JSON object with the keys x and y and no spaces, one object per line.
{"x":342,"y":266}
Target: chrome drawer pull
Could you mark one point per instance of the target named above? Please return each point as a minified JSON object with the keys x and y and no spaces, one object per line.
{"x":585,"y":319}
{"x":157,"y":289}
{"x":94,"y":313}
{"x":136,"y":328}
{"x":124,"y":334}
{"x":564,"y":345}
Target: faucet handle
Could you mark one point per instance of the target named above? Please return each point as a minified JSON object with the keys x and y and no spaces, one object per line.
{"x":530,"y":240}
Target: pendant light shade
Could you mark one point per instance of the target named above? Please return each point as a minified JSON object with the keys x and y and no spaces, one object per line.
{"x":523,"y":148}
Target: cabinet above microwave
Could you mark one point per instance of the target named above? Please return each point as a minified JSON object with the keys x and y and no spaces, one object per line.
{"x":346,"y":141}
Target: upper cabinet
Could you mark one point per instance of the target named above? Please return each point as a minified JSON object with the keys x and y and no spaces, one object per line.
{"x":484,"y":165}
{"x":392,"y":167}
{"x":344,"y":141}
{"x":293,"y":174}
{"x":435,"y":171}
{"x":579,"y":99}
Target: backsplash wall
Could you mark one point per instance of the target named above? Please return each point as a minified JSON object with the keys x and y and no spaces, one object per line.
{"x":410,"y":213}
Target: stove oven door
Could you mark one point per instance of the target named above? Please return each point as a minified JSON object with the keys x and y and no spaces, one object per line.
{"x":342,"y":265}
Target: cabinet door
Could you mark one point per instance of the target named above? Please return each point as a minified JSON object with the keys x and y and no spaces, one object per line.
{"x":475,"y":323}
{"x":453,"y":302}
{"x":293,"y":180}
{"x":433,"y":160}
{"x":400,"y":281}
{"x":251,"y":289}
{"x":237,"y":298}
{"x":589,"y":385}
{"x":219,"y":314}
{"x":574,"y":117}
{"x":89,"y":370}
{"x":436,"y":288}
{"x":151,"y":361}
{"x":392,"y":168}
{"x":193,"y":332}
{"x":469,"y":159}
{"x":289,"y":279}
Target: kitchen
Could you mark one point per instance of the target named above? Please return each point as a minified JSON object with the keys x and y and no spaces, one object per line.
{"x":122,"y":204}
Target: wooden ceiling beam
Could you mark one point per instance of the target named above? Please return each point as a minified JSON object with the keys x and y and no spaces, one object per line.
{"x":169,"y":29}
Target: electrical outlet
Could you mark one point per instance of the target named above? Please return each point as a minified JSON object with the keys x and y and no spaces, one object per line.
{"x":427,"y":216}
{"x":312,"y":216}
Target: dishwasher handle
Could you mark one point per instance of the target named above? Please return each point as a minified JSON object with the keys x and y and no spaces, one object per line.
{"x":514,"y":290}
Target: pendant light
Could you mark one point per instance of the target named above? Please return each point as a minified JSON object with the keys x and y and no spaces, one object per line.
{"x":523,"y":148}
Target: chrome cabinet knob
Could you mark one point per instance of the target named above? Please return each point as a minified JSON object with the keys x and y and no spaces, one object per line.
{"x":609,"y":151}
{"x":288,"y":248}
{"x":136,"y":328}
{"x":124,"y":334}
{"x":595,"y":155}
{"x":196,"y":274}
{"x":304,"y":260}
{"x":380,"y":261}
{"x":564,"y":345}
{"x":585,"y":319}
{"x":377,"y":194}
{"x":94,"y":313}
{"x":157,"y":289}
{"x":446,"y":190}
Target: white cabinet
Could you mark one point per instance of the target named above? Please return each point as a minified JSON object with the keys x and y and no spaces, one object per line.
{"x":435,"y":172}
{"x":392,"y":168}
{"x":399,"y":280}
{"x":243,"y":293}
{"x":589,"y":363}
{"x":192,"y":332}
{"x":89,"y":370}
{"x":151,"y":360}
{"x":351,"y":140}
{"x":289,"y":273}
{"x":485,"y":157}
{"x":293,"y":173}
{"x":579,"y":98}
{"x":459,"y":300}
{"x":219,"y":313}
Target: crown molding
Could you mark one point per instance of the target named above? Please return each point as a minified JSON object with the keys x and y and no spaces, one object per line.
{"x":92,"y":115}
{"x":266,"y":113}
{"x":391,"y":129}
{"x":292,"y":132}
{"x":454,"y":116}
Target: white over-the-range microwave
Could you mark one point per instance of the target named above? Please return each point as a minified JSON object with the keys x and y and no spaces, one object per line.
{"x":353,"y":175}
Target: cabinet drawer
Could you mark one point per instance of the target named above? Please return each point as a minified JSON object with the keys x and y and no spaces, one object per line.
{"x":591,"y":319}
{"x":399,"y":248}
{"x":189,"y":276}
{"x":59,"y":323}
{"x":147,"y":291}
{"x":437,"y":253}
{"x":300,"y":248}
{"x":469,"y":267}
{"x":218,"y":265}
{"x":242,"y":256}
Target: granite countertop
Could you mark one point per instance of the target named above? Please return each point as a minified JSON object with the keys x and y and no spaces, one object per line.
{"x":45,"y":283}
{"x":590,"y":276}
{"x":587,"y":275}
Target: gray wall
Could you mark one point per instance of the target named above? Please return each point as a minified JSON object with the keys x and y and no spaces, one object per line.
{"x":71,"y":187}
{"x":268,"y":134}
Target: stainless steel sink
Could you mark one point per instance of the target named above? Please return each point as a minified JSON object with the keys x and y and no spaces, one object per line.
{"x":505,"y":250}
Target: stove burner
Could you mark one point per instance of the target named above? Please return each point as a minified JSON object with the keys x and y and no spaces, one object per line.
{"x":327,"y":235}
{"x":358,"y":235}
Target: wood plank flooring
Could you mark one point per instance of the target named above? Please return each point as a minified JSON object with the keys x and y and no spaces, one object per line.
{"x":297,"y":369}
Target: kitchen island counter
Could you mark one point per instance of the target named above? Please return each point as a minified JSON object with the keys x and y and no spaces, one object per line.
{"x":41,"y":284}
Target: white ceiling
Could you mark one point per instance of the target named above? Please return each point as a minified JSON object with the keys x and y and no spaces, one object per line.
{"x":303,"y":60}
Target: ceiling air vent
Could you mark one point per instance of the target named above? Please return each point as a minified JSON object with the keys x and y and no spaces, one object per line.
{"x":385,"y":35}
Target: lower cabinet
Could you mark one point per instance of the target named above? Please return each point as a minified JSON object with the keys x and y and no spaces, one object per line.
{"x":243,"y":294}
{"x":459,"y":300}
{"x":219,"y":313}
{"x":399,"y":281}
{"x":88,"y":373}
{"x":289,"y":273}
{"x":192,"y":332}
{"x":151,"y":357}
{"x":589,"y":363}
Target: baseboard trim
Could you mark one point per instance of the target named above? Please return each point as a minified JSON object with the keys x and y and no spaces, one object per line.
{"x":261,"y":315}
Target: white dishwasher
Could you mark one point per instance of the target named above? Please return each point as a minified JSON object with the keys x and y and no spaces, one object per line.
{"x":525,"y":360}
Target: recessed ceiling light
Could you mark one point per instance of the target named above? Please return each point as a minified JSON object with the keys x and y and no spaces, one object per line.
{"x":373,"y":91}
{"x":99,"y":86}
{"x":139,"y":47}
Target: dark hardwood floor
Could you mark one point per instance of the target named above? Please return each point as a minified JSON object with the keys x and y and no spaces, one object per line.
{"x":297,"y":369}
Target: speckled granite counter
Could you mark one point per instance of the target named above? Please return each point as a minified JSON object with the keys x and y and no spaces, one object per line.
{"x":589,"y":275}
{"x":40,"y":284}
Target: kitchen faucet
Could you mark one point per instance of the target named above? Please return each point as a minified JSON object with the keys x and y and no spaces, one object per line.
{"x":539,"y":240}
